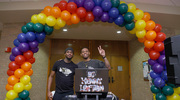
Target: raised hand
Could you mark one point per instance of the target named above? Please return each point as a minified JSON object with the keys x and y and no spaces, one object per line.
{"x":101,"y":51}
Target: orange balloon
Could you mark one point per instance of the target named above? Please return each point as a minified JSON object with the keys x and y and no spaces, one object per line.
{"x":42,"y":11}
{"x":65,"y":15}
{"x":148,"y":44}
{"x":141,"y":39}
{"x":26,"y":66}
{"x":75,"y":19}
{"x":12,"y":80}
{"x":150,"y":25}
{"x":29,"y":73}
{"x":146,"y":17}
{"x":47,"y":10}
{"x":56,"y":12}
{"x":9,"y":87}
{"x":69,"y":22}
{"x":19,"y":73}
{"x":150,"y":35}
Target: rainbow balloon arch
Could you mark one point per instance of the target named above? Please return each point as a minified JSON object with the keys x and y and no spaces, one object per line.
{"x":74,"y":11}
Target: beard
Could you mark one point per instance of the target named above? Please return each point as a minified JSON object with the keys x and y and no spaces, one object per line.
{"x":85,"y":57}
{"x":69,"y":58}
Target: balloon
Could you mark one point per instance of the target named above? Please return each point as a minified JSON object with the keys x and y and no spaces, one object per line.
{"x":38,"y":27}
{"x":16,"y":42}
{"x":159,"y":46}
{"x":28,"y":86}
{"x":12,"y":80}
{"x":149,"y":44}
{"x":173,"y":97}
{"x":65,"y":15}
{"x":56,"y":12}
{"x":89,"y":17}
{"x":154,"y":55}
{"x":154,"y":75}
{"x":25,"y":79}
{"x":146,"y":17}
{"x":82,"y":19}
{"x":115,"y":3}
{"x":22,"y":38}
{"x":160,"y":96}
{"x":128,"y":17}
{"x":142,"y":40}
{"x":13,"y":66}
{"x":51,"y":21}
{"x":26,"y":66}
{"x":30,"y":36}
{"x":55,"y":27}
{"x":147,"y":50}
{"x":41,"y":18}
{"x":33,"y":44}
{"x":162,"y":52}
{"x":130,"y":26}
{"x":30,"y":27}
{"x":176,"y":89}
{"x":111,"y":20}
{"x":24,"y":94}
{"x":138,"y":14}
{"x":151,"y":62}
{"x":150,"y":25}
{"x":157,"y":68}
{"x":11,"y":94}
{"x":28,"y":98}
{"x":18,"y":99}
{"x":81,"y":12}
{"x":104,"y":17}
{"x":154,"y":89}
{"x":96,"y":19}
{"x":123,"y":8}
{"x":106,"y":5}
{"x":131,"y":7}
{"x":164,"y":76}
{"x":59,"y":22}
{"x":141,"y":34}
{"x":9,"y":87}
{"x":159,"y":82}
{"x":75,"y":19}
{"x":23,"y":47}
{"x":47,"y":10}
{"x":71,"y":7}
{"x":133,"y":31}
{"x":34,"y":19}
{"x":29,"y":73}
{"x":119,"y":20}
{"x":140,"y":24}
{"x":10,"y":72}
{"x":121,"y":2}
{"x":79,"y":3}
{"x":24,"y":29}
{"x":63,"y":5}
{"x":97,"y":11}
{"x":71,"y":1}
{"x":150,"y":35}
{"x":16,"y":51}
{"x":124,"y":23}
{"x":12,"y":57}
{"x":113,"y":12}
{"x":19,"y":59}
{"x":89,"y":5}
{"x":158,"y":28}
{"x":28,"y":54}
{"x":160,"y":37}
{"x":32,"y":60}
{"x":49,"y":29}
{"x":40,"y":36}
{"x":18,"y":87}
{"x":19,"y":73}
{"x":35,"y":50}
{"x":68,"y":22}
{"x":97,"y":2}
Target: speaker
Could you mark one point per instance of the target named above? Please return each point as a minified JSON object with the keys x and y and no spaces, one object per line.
{"x":172,"y":53}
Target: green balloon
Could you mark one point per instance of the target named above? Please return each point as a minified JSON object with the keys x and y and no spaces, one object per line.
{"x":154,"y":89}
{"x":160,"y":96}
{"x":30,"y":26}
{"x":123,"y":8}
{"x":28,"y":98}
{"x":38,"y":27}
{"x":18,"y":99}
{"x":24,"y":94}
{"x":24,"y":29}
{"x":48,"y":33}
{"x":48,"y":29}
{"x":115,"y":3}
{"x":171,"y":85}
{"x":130,"y":26}
{"x":128,"y":17}
{"x":124,"y":23}
{"x":167,"y":90}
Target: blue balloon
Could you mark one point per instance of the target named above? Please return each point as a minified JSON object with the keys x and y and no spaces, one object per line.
{"x":12,"y":57}
{"x":159,"y":82}
{"x":22,"y":38}
{"x":16,"y":42}
{"x":16,"y":51}
{"x":106,"y":5}
{"x":97,"y":11}
{"x":119,"y":20}
{"x":97,"y":2}
{"x":164,"y":76}
{"x":89,"y":5}
{"x":114,"y":13}
{"x":30,"y":36}
{"x":71,"y":1}
{"x":96,"y":19}
{"x":111,"y":20}
{"x":105,"y":17}
{"x":154,"y":75}
{"x":23,"y":47}
{"x":79,"y":3}
{"x":40,"y":36}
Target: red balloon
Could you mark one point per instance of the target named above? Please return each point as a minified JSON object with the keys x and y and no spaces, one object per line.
{"x":89,"y":17}
{"x":20,"y":59}
{"x":82,"y":19}
{"x":154,"y":55}
{"x":81,"y":12}
{"x":10,"y":72}
{"x":63,"y":5}
{"x":157,"y":28}
{"x":159,"y":46}
{"x":71,"y":7}
{"x":147,"y":50}
{"x":56,"y":5}
{"x":160,"y":36}
{"x":13,"y":66}
{"x":32,"y":60}
{"x":28,"y":54}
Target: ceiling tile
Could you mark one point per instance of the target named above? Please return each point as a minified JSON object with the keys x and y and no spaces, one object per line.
{"x":158,"y":2}
{"x":176,"y":2}
{"x":4,"y":0}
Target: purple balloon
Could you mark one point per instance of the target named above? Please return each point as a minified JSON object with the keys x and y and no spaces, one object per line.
{"x":22,"y":38}
{"x":33,"y":44}
{"x":16,"y":51}
{"x":164,"y":76}
{"x":159,"y":82}
{"x":79,"y":3}
{"x":71,"y":1}
{"x":105,"y":17}
{"x":106,"y":5}
{"x":97,"y":11}
{"x":162,"y":60}
{"x":12,"y":57}
{"x":119,"y":20}
{"x":162,"y":52}
{"x":97,"y":2}
{"x":23,"y":47}
{"x":89,"y":5}
{"x":35,"y":50}
{"x":154,"y":75}
{"x":96,"y":19}
{"x":157,"y":68}
{"x":152,"y":62}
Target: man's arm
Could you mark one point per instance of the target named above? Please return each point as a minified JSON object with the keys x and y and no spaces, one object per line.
{"x":107,"y":64}
{"x":51,"y":76}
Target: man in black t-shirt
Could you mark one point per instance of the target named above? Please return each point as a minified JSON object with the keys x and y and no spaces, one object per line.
{"x":64,"y":71}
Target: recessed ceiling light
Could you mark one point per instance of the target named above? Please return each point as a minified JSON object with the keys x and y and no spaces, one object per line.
{"x":118,"y":32}
{"x":65,"y":30}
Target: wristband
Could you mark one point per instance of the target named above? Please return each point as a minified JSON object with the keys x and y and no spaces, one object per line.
{"x":104,"y":57}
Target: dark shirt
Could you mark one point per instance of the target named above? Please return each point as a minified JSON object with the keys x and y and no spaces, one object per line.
{"x":64,"y":76}
{"x":91,"y":64}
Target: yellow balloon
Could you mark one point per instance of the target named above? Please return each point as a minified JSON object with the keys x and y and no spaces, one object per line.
{"x":11,"y":94}
{"x":122,"y":2}
{"x":140,"y":24}
{"x":50,"y":21}
{"x":131,"y":7}
{"x":34,"y":19}
{"x":18,"y":87}
{"x":57,"y":27}
{"x":28,"y":86}
{"x":25,"y":79}
{"x":177,"y":90}
{"x":133,"y":31}
{"x":8,"y":99}
{"x":141,"y":34}
{"x":173,"y":97}
{"x":41,"y":18}
{"x":138,"y":14}
{"x":61,"y":22}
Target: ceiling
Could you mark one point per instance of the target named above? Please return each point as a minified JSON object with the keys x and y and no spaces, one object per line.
{"x":164,"y":12}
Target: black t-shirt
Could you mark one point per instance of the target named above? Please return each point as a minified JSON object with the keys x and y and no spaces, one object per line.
{"x":91,"y":64}
{"x":64,"y":76}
